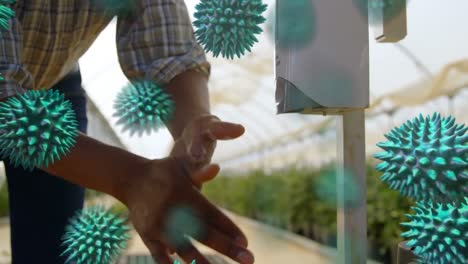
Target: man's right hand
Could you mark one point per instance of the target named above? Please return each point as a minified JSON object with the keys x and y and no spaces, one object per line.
{"x":163,"y":187}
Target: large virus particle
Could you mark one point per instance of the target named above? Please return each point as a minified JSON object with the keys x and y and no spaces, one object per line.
{"x":439,"y":233}
{"x":427,"y":159}
{"x":142,"y":107}
{"x":36,"y":128}
{"x":380,"y":11}
{"x":95,"y":236}
{"x":297,"y":28}
{"x":228,"y":27}
{"x":6,"y":13}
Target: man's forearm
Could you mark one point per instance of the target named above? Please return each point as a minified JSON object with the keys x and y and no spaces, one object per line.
{"x":98,"y":166}
{"x":189,"y":90}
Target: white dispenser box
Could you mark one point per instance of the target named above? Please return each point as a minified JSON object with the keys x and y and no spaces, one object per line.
{"x":330,"y":73}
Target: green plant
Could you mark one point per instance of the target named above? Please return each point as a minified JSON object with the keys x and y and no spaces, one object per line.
{"x":300,"y":201}
{"x":385,"y":210}
{"x":4,"y":208}
{"x":288,"y":199}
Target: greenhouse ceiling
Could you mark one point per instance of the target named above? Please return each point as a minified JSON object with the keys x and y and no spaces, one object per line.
{"x":402,"y":82}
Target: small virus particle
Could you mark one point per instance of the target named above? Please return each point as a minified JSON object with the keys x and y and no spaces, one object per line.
{"x":143,"y":107}
{"x":114,"y":7}
{"x":439,"y":233}
{"x":371,"y":9}
{"x":296,"y":27}
{"x":228,"y":27}
{"x":95,"y":236}
{"x":326,"y":189}
{"x":182,"y":223}
{"x":6,"y":13}
{"x":427,"y":159}
{"x":36,"y":128}
{"x":178,"y":262}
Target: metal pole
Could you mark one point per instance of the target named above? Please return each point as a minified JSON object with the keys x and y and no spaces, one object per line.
{"x":351,"y":222}
{"x":405,"y":255}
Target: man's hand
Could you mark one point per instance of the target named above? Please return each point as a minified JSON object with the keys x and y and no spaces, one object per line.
{"x":162,"y":187}
{"x":196,"y":146}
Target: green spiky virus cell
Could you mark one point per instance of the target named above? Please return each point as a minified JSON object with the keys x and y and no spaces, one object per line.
{"x":6,"y":13}
{"x":95,"y":236}
{"x":142,"y":107}
{"x":37,"y":128}
{"x":427,"y":159}
{"x":439,"y":233}
{"x":228,"y":27}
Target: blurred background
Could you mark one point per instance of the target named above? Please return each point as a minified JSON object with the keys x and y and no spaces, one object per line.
{"x":271,"y":176}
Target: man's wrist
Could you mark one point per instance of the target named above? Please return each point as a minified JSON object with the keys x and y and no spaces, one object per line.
{"x":189,"y":90}
{"x":99,"y":166}
{"x":122,"y":184}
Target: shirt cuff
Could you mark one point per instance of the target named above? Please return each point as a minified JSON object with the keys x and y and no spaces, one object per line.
{"x":163,"y":70}
{"x":204,"y":68}
{"x":10,"y":89}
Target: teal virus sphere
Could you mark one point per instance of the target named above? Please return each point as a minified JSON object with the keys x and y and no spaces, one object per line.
{"x":142,"y":107}
{"x":114,"y":7}
{"x":373,"y":8}
{"x":6,"y":13}
{"x":326,"y":189}
{"x":427,"y":159}
{"x":182,"y":222}
{"x":37,"y":128}
{"x":439,"y":233}
{"x":95,"y":236}
{"x":228,"y":27}
{"x":297,"y":28}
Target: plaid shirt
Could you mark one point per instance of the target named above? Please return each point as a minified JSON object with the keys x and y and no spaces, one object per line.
{"x":46,"y":38}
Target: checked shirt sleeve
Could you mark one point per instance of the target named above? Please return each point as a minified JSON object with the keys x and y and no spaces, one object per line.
{"x":158,"y":42}
{"x":14,"y":76}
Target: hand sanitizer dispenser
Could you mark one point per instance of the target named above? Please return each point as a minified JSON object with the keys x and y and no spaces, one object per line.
{"x":388,"y":20}
{"x":329,"y":73}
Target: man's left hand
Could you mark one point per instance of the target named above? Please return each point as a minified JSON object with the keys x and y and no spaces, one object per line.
{"x":196,"y":146}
